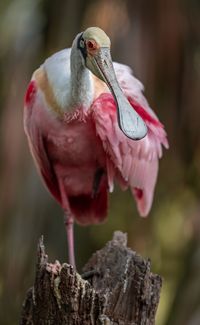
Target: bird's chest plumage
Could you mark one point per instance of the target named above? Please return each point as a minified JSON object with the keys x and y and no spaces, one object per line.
{"x":74,"y":143}
{"x":75,"y":152}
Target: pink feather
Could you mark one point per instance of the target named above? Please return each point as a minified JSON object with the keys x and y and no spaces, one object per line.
{"x":73,"y":150}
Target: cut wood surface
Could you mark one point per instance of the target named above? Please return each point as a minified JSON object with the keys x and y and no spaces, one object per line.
{"x":118,"y":288}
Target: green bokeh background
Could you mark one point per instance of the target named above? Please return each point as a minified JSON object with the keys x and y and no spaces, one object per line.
{"x":160,"y":40}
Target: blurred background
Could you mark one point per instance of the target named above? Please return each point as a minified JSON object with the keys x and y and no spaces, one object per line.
{"x":160,"y":40}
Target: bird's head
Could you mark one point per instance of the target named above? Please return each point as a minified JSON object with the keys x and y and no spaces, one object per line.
{"x":94,"y":46}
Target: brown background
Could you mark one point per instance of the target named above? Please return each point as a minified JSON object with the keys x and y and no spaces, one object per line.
{"x":160,"y":40}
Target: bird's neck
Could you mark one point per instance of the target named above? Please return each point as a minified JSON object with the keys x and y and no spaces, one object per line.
{"x":81,"y":82}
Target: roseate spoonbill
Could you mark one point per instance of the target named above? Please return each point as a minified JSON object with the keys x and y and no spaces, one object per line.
{"x":82,"y":116}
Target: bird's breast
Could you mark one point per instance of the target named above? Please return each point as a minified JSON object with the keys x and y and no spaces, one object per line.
{"x":75,"y":153}
{"x":73,"y":144}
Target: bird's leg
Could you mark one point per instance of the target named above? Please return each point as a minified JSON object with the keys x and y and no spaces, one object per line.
{"x":69,"y":226}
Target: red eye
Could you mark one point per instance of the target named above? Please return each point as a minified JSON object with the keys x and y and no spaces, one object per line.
{"x":91,"y":45}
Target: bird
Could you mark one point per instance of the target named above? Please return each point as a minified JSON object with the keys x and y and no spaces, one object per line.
{"x":88,"y":126}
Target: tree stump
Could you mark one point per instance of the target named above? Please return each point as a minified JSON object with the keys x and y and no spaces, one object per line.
{"x":120,"y":289}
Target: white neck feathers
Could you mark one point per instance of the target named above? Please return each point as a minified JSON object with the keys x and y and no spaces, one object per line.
{"x":70,"y":80}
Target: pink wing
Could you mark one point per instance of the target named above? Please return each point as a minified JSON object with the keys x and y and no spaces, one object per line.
{"x":133,"y":163}
{"x":37,"y":141}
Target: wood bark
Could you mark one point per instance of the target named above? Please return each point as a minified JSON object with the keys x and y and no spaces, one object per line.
{"x":120,"y":289}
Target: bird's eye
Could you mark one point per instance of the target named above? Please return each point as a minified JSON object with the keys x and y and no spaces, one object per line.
{"x":91,"y":45}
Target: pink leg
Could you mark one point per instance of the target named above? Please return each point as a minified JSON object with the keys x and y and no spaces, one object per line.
{"x":69,"y":225}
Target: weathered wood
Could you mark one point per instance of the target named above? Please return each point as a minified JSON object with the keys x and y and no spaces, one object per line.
{"x":120,"y":290}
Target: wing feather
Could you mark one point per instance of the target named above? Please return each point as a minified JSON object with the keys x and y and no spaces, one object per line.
{"x":133,"y":163}
{"x":37,"y":144}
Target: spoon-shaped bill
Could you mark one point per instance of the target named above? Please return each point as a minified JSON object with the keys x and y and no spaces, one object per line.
{"x":131,"y":124}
